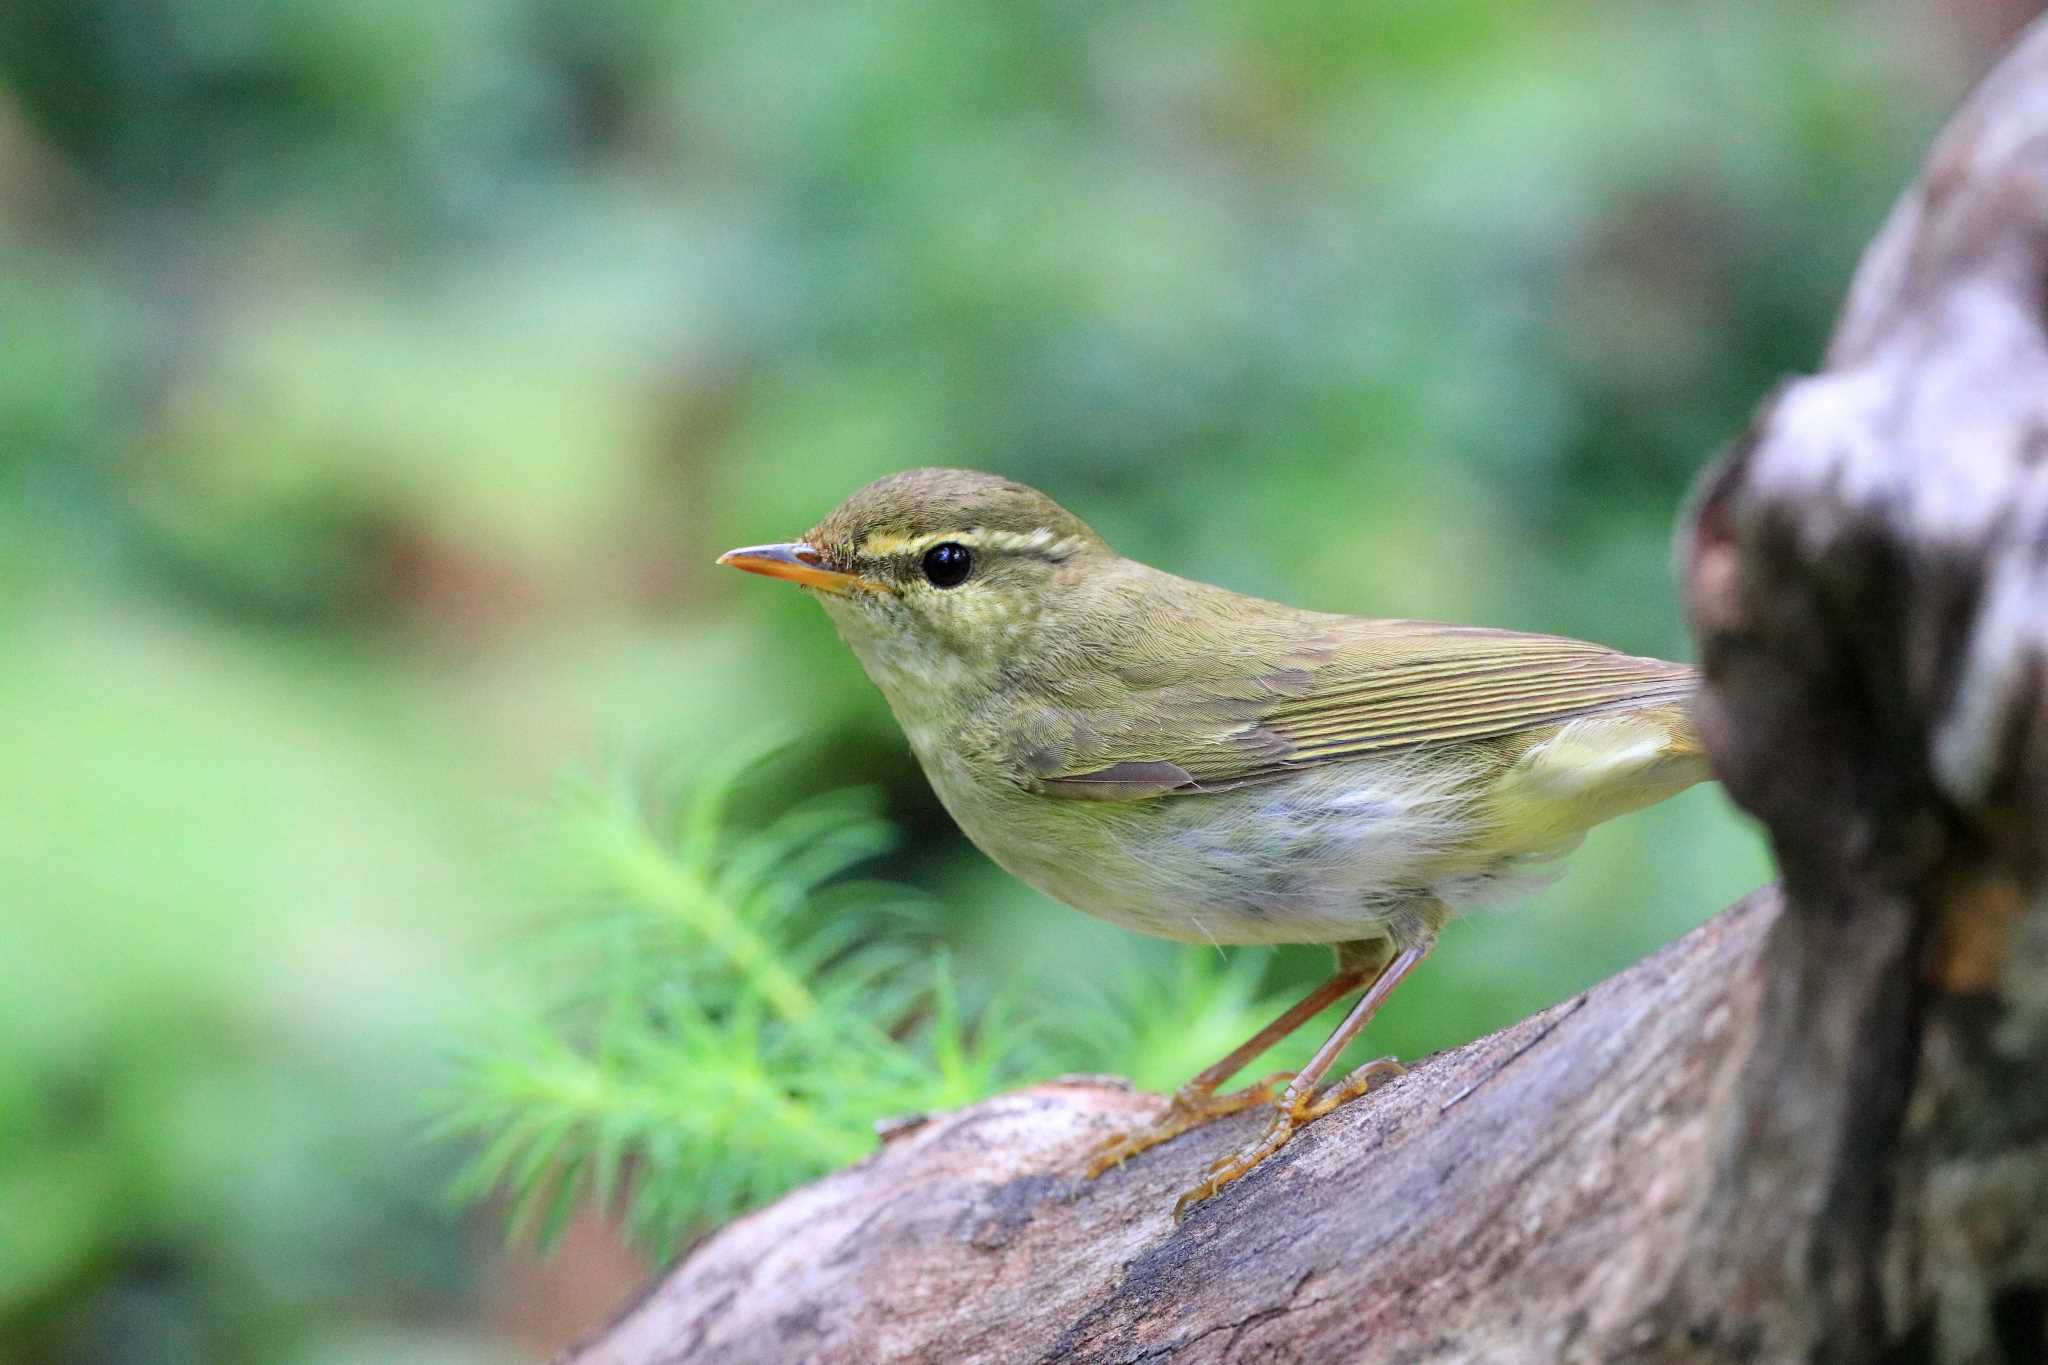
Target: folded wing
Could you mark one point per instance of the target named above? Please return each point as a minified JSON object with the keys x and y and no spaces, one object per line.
{"x":1360,"y":688}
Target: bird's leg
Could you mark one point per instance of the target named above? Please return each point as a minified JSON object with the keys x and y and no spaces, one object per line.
{"x":1197,"y":1102}
{"x":1300,"y":1103}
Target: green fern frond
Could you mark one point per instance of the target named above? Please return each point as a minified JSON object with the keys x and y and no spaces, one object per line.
{"x":730,"y":1016}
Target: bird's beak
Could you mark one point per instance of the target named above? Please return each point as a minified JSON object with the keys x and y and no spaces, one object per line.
{"x":799,"y":563}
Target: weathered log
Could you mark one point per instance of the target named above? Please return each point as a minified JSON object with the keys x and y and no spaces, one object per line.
{"x":1816,"y":1128}
{"x":1508,"y":1195}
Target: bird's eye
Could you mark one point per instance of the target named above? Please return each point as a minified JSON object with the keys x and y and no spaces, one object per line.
{"x":947,"y":565}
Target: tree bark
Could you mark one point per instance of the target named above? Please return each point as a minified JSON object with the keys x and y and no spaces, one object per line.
{"x":1816,"y":1128}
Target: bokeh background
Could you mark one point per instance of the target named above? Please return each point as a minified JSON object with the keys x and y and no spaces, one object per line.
{"x":378,"y":380}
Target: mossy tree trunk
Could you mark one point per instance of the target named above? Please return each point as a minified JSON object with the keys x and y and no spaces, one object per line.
{"x":1817,"y":1128}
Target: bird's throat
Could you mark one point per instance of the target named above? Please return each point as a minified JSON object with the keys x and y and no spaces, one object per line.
{"x":930,"y":688}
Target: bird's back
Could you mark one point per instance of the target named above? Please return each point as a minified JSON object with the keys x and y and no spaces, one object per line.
{"x":1242,"y":690}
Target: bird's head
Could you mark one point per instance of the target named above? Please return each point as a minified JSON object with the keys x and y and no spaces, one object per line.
{"x":938,"y":578}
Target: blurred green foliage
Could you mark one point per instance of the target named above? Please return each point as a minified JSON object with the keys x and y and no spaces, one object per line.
{"x":380,"y":379}
{"x":730,"y":1017}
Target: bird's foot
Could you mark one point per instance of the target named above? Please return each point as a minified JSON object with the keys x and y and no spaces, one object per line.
{"x":1190,"y":1108}
{"x":1289,"y":1115}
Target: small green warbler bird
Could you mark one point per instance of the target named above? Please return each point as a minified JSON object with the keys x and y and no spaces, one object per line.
{"x":1199,"y":765}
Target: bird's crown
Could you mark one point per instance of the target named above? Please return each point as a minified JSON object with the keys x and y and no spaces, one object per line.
{"x":906,"y":514}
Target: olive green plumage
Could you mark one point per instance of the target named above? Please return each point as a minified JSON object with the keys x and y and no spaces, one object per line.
{"x":1197,"y":764}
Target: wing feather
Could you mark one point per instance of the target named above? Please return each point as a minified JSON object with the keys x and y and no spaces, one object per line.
{"x":1363,"y":687}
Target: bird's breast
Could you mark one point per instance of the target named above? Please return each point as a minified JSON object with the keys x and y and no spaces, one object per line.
{"x":1321,"y":856}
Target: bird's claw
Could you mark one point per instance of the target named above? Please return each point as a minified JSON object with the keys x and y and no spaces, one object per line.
{"x":1188,"y":1109}
{"x":1289,"y":1115}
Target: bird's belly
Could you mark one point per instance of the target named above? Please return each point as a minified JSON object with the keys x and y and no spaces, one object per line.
{"x":1343,"y":852}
